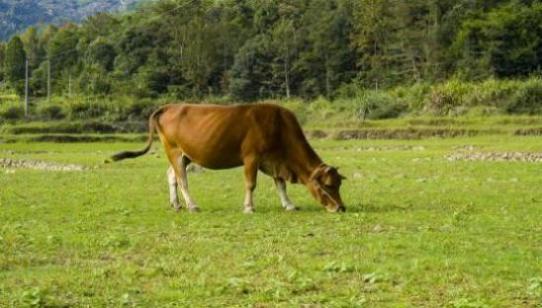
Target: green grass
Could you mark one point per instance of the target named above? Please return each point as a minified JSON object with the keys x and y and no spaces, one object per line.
{"x":419,"y":231}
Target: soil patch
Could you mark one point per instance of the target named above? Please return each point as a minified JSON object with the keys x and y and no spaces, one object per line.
{"x":496,"y":156}
{"x":8,"y":163}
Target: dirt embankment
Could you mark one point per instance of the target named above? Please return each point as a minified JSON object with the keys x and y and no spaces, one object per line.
{"x":410,"y":133}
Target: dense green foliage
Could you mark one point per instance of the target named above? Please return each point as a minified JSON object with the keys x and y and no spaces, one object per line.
{"x":419,"y":231}
{"x":14,"y":64}
{"x":2,"y":59}
{"x":352,"y":107}
{"x":250,"y":50}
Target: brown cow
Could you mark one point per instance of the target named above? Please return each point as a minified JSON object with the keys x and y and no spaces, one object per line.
{"x":260,"y":136}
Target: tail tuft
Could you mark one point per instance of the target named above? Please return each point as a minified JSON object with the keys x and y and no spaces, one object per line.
{"x":152,"y":126}
{"x":129,"y":154}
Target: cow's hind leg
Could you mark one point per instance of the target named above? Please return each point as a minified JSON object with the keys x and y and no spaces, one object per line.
{"x":183,"y":183}
{"x":172,"y":183}
{"x":284,"y":200}
{"x":251,"y":173}
{"x":178,"y":164}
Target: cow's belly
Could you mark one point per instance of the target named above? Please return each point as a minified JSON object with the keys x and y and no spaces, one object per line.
{"x":213,"y":162}
{"x":214,"y":154}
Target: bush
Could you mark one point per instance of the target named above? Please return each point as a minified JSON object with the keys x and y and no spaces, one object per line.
{"x":84,"y":108}
{"x":527,"y":99}
{"x":447,"y":98}
{"x":51,"y":112}
{"x":510,"y":96}
{"x":492,"y":92}
{"x":379,"y":105}
{"x":412,"y":96}
{"x":138,"y":110}
{"x":321,"y":108}
{"x":11,"y":111}
{"x":298,"y":107}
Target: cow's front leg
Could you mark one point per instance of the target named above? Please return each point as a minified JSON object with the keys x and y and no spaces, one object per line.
{"x":172,"y":183}
{"x":251,"y":172}
{"x":284,"y":200}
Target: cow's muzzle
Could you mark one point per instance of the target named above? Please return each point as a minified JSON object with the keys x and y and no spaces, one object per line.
{"x":338,"y":209}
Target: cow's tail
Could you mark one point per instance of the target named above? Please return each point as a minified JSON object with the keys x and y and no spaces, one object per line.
{"x":153,"y":125}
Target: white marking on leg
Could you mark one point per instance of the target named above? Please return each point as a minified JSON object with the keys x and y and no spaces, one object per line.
{"x":251,"y":173}
{"x":248,"y":204}
{"x":172,"y":183}
{"x":284,"y":200}
{"x":183,"y":184}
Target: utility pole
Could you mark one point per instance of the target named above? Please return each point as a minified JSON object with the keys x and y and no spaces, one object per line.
{"x":49,"y":80}
{"x":70,"y":85}
{"x":26,"y":90}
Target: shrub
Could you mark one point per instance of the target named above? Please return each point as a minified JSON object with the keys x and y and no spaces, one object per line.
{"x":492,"y":92}
{"x":379,"y":105}
{"x":298,"y":107}
{"x":11,"y":111}
{"x":448,"y":97}
{"x":51,"y":112}
{"x":413,"y":96}
{"x":84,"y":108}
{"x":139,"y":109}
{"x":527,"y":99}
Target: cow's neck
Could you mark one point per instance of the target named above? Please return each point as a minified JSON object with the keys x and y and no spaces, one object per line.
{"x":305,"y":164}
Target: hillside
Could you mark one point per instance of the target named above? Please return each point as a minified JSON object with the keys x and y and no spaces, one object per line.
{"x":18,"y":15}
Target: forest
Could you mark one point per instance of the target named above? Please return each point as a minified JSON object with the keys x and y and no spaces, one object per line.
{"x":241,"y":50}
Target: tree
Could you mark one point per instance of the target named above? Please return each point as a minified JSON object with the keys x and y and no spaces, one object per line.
{"x":251,"y":72}
{"x":101,"y":52}
{"x":2,"y":59}
{"x":397,"y":42}
{"x":34,"y":50}
{"x":14,"y":64}
{"x":200,"y":57}
{"x":62,"y":53}
{"x":505,"y":42}
{"x":328,"y":59}
{"x":284,"y":41}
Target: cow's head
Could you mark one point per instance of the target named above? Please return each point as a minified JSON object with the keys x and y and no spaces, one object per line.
{"x":324,"y":184}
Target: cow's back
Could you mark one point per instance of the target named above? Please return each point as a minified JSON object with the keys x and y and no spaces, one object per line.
{"x":219,"y":137}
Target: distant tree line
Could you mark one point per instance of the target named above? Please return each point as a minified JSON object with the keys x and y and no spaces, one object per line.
{"x":257,"y":49}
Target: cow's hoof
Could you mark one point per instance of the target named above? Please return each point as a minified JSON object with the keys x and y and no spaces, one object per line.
{"x":194,"y":209}
{"x":248,"y":210}
{"x":291,"y":208}
{"x":176,"y":207}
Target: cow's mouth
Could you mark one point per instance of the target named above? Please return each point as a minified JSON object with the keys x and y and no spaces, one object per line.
{"x":338,"y":209}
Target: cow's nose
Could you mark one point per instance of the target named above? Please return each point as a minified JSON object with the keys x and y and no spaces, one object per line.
{"x":341,"y":209}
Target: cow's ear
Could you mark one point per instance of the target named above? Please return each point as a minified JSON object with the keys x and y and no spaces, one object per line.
{"x":342,"y":177}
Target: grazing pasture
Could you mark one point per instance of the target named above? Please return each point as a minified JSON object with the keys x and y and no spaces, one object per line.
{"x":432,"y":222}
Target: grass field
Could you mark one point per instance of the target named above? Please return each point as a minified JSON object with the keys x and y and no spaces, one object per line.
{"x":420,"y":230}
